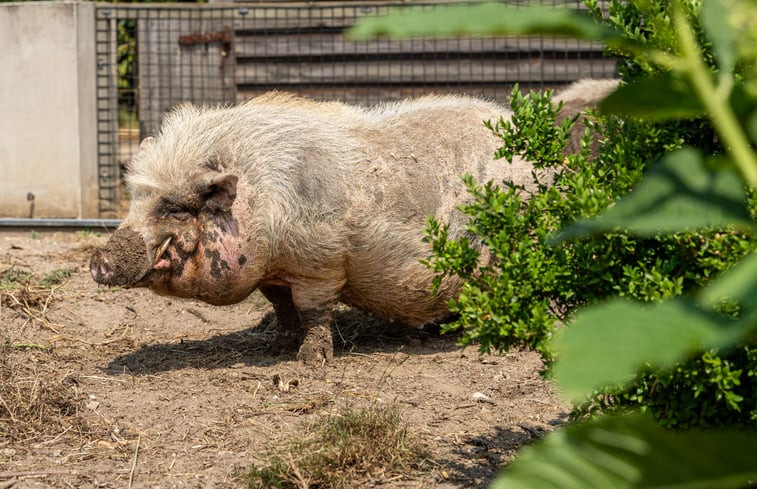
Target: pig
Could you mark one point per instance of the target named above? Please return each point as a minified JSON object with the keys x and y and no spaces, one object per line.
{"x":312,"y":203}
{"x":576,"y":98}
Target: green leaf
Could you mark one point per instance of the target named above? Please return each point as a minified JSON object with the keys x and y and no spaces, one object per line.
{"x":626,"y":452}
{"x":680,"y":193}
{"x":607,"y":344}
{"x":484,"y":18}
{"x":714,"y":18}
{"x":659,"y":97}
{"x":739,"y":284}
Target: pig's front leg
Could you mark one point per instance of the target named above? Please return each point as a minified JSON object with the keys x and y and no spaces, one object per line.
{"x":317,"y":346}
{"x":289,"y":331}
{"x":315,"y":299}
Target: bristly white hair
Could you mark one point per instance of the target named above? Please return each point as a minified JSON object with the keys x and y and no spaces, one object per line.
{"x":588,"y":91}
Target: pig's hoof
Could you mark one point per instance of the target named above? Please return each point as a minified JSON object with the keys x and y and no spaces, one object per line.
{"x":283,"y":344}
{"x":317,"y":348}
{"x":289,"y":336}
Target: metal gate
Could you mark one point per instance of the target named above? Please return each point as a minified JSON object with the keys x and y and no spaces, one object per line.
{"x":153,"y":57}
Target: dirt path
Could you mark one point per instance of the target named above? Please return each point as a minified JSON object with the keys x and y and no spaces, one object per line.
{"x":173,"y":393}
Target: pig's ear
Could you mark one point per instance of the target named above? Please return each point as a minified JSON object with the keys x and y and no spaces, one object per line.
{"x":217,"y":190}
{"x":147,"y":142}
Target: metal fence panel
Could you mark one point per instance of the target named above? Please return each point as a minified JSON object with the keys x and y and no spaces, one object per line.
{"x":152,"y":57}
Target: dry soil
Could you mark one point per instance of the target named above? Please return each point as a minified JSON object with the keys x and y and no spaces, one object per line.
{"x":151,"y":391}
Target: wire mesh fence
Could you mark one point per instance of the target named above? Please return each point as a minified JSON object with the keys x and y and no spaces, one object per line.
{"x":153,"y":57}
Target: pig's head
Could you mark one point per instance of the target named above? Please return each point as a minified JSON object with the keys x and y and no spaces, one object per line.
{"x":182,"y":234}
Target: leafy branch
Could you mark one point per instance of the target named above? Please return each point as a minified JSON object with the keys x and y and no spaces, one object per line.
{"x":687,"y":189}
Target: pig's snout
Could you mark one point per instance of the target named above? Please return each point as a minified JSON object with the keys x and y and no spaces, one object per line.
{"x":122,"y":261}
{"x":100,"y":268}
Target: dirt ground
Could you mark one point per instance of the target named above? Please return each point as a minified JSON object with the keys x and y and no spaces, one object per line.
{"x":159,"y":392}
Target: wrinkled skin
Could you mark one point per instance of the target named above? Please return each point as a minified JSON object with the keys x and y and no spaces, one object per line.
{"x":182,"y":252}
{"x":311,"y":203}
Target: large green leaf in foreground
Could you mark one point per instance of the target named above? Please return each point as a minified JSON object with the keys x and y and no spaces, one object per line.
{"x":485,"y":18}
{"x":714,"y":18}
{"x":679,"y":193}
{"x":607,"y":344}
{"x":627,"y":452}
{"x":739,"y":284}
{"x":661,"y":97}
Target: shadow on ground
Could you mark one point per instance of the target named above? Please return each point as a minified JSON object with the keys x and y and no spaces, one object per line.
{"x":353,"y":331}
{"x":479,"y":459}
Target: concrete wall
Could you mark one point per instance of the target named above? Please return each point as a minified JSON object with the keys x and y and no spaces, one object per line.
{"x":48,"y":138}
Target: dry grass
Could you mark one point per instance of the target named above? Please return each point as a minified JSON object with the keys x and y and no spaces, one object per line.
{"x":20,"y":291}
{"x":35,"y":404}
{"x":57,"y":276}
{"x":28,"y":300}
{"x":347,"y":450}
{"x":13,"y":276}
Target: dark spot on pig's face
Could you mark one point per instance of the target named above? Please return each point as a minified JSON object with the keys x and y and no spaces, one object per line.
{"x":193,"y":240}
{"x":217,"y":264}
{"x":205,"y":261}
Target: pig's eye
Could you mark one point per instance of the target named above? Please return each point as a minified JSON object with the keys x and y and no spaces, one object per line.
{"x":179,"y":216}
{"x":169,"y":209}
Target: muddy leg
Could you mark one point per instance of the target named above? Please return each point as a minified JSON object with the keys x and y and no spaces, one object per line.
{"x":289,"y":331}
{"x":315,"y":300}
{"x":318,"y":345}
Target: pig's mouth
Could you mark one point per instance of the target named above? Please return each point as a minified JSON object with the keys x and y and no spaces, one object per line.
{"x":125,"y":262}
{"x":161,"y":264}
{"x":161,"y":258}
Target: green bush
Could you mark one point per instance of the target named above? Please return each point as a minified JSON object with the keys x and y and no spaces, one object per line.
{"x":534,"y":285}
{"x":688,"y":60}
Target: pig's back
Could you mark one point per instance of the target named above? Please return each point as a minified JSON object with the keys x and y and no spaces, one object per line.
{"x":411,"y":154}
